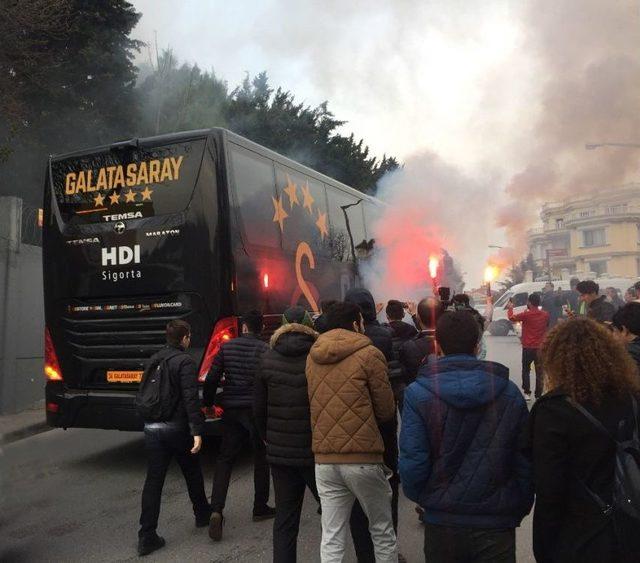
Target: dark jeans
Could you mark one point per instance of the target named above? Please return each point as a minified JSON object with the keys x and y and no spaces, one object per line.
{"x":466,"y":545}
{"x":532,"y":356}
{"x":289,"y":484}
{"x":162,"y":443}
{"x":359,"y":522}
{"x":238,"y":429}
{"x":398,"y":387}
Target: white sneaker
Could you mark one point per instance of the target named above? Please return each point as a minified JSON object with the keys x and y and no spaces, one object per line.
{"x":527,"y":396}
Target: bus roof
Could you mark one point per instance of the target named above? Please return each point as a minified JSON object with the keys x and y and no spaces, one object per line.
{"x":220,"y":133}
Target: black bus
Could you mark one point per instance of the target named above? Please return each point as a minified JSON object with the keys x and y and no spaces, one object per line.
{"x":201,"y":226}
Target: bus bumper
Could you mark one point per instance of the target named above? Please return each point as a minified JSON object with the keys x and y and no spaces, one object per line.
{"x":77,"y":408}
{"x":109,"y":410}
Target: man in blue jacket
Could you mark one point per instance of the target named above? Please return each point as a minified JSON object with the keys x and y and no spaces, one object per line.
{"x":460,"y":457}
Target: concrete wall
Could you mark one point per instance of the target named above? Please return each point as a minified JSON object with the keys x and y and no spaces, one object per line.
{"x":21,"y":314}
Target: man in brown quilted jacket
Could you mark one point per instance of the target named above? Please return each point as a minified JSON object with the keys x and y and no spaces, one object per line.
{"x":349,"y":395}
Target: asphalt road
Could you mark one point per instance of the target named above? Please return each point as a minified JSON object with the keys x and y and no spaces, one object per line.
{"x":75,"y":495}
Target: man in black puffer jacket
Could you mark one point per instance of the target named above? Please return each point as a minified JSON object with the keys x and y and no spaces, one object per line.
{"x":383,"y":341}
{"x":238,"y":361}
{"x":281,"y":410}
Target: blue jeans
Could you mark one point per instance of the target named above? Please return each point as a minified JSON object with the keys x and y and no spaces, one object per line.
{"x":163,"y":442}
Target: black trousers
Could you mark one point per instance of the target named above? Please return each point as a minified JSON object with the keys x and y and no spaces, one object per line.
{"x":398,"y":387}
{"x":443,"y":544}
{"x":532,"y":356}
{"x":162,"y":443}
{"x":239,"y":429}
{"x":359,"y":523}
{"x":289,"y":484}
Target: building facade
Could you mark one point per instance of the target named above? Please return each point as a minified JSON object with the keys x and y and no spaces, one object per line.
{"x":590,"y":236}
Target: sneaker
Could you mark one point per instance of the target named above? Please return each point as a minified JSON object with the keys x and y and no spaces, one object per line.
{"x":150,"y":544}
{"x":215,"y":526}
{"x":265,"y":513}
{"x":527,"y":396}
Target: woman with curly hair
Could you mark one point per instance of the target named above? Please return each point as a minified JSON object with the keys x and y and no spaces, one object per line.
{"x":572,"y":459}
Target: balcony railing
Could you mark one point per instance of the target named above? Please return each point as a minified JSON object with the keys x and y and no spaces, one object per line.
{"x":609,"y":211}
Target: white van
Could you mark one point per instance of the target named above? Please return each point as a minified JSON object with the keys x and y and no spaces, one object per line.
{"x":500,"y":324}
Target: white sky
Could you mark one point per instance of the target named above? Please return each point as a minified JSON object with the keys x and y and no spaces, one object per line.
{"x":449,"y":76}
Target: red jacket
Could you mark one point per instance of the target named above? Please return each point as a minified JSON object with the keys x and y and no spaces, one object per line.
{"x":534,"y":326}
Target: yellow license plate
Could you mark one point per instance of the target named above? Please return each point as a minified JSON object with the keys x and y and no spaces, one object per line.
{"x":124,"y":376}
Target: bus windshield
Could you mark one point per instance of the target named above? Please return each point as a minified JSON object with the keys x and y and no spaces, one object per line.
{"x":126,"y":183}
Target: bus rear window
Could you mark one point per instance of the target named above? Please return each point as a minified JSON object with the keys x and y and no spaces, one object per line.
{"x":127,"y":183}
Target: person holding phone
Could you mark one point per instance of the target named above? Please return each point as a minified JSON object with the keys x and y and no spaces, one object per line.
{"x":535,"y":323}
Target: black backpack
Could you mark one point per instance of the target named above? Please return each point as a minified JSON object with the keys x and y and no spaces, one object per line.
{"x":157,"y":397}
{"x":624,"y":508}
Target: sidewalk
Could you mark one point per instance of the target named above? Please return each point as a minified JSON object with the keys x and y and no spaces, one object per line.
{"x":14,"y":427}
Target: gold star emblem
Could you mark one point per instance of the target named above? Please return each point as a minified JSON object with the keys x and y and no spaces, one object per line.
{"x":308,"y":199}
{"x":279,"y":213}
{"x":321,"y":223}
{"x":130,"y":196}
{"x":99,"y":200}
{"x":115,"y":198}
{"x":292,"y":191}
{"x":146,"y":193}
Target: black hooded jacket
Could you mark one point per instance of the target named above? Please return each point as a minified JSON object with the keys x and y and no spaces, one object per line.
{"x":281,"y":402}
{"x":379,"y":335}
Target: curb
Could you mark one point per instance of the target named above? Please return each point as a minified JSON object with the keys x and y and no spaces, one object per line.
{"x":26,"y":432}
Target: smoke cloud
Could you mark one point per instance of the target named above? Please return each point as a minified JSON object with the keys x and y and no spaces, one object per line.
{"x":588,"y":56}
{"x":488,"y":104}
{"x":431,"y":206}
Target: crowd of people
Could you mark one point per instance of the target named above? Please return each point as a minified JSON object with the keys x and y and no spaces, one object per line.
{"x":322,"y":404}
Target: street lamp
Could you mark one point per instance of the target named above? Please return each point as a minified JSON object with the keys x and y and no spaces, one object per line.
{"x":594,"y":146}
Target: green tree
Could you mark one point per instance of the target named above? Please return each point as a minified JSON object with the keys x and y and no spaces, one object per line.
{"x":67,"y":79}
{"x":305,"y":134}
{"x":518,"y":272}
{"x":181,"y":98}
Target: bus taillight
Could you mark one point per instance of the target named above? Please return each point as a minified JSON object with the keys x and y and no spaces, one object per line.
{"x":225,"y":329}
{"x":52,"y":369}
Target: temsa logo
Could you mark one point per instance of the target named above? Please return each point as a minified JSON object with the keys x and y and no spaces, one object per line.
{"x":121,"y":255}
{"x":121,"y":216}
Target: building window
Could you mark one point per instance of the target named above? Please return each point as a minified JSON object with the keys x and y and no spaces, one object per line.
{"x":559,"y":224}
{"x":598,"y":268}
{"x":594,"y":237}
{"x":616,"y":209}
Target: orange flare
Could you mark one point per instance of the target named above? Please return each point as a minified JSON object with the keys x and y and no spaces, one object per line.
{"x":433,"y":267}
{"x":490,"y":273}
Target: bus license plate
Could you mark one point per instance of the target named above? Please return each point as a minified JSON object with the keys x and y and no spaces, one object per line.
{"x":124,"y":376}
